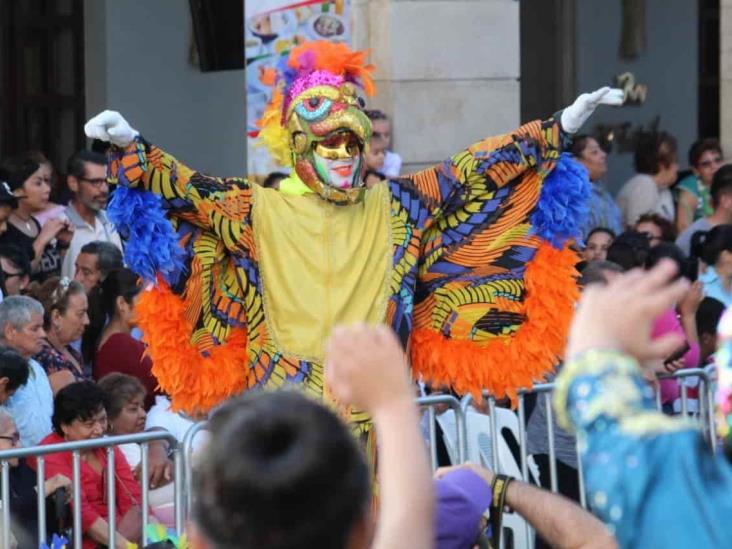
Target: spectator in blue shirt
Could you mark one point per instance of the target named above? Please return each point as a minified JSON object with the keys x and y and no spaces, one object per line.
{"x":714,"y":248}
{"x":604,"y":212}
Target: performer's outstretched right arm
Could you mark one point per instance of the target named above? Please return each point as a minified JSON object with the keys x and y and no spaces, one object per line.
{"x":206,"y":201}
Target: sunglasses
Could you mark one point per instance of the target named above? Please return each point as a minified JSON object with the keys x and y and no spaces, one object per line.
{"x":14,"y":438}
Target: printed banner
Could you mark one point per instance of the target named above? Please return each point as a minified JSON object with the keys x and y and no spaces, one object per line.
{"x":271,"y":29}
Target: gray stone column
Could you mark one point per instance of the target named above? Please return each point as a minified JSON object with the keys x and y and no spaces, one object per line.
{"x":725,"y":76}
{"x":447,"y":71}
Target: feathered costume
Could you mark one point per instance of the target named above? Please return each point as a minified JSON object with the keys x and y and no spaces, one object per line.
{"x":467,"y":261}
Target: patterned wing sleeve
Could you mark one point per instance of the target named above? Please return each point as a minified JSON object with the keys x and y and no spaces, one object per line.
{"x":493,"y":297}
{"x":215,"y":204}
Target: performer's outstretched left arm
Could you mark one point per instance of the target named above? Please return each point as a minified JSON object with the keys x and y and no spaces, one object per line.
{"x":219,"y":204}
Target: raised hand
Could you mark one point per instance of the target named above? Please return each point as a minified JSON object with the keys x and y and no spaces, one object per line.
{"x":620,"y":315}
{"x":112,"y":127}
{"x":578,"y":112}
{"x":366,"y":367}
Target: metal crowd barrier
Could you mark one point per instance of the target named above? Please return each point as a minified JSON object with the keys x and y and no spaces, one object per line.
{"x":187,"y":445}
{"x":183,"y":453}
{"x":143,"y":439}
{"x":430,"y":402}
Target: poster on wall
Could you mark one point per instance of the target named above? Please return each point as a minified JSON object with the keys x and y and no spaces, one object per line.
{"x":271,"y":29}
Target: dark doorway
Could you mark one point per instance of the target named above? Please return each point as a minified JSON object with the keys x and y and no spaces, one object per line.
{"x":709,"y":68}
{"x":547,"y":56}
{"x":42,"y":104}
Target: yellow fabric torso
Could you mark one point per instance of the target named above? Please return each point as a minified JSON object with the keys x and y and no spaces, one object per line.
{"x":321,"y":265}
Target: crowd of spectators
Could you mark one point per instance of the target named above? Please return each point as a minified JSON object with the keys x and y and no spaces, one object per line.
{"x":73,"y":367}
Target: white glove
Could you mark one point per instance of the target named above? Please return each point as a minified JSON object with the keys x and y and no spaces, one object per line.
{"x":578,"y":112}
{"x":111,"y":126}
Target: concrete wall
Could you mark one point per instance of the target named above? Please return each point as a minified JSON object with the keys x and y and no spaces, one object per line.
{"x":447,"y":71}
{"x":668,"y":67}
{"x":137,"y":62}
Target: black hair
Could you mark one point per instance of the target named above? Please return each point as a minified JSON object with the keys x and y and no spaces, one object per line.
{"x":629,"y":250}
{"x":375,"y":114}
{"x":14,"y":367}
{"x":721,"y":183}
{"x":594,"y":272}
{"x":281,"y":471}
{"x":668,"y":229}
{"x":654,"y":151}
{"x":708,"y":245}
{"x":597,"y":230}
{"x":102,"y":305}
{"x":17,"y":256}
{"x":76,"y":164}
{"x":579,"y":144}
{"x":109,"y":256}
{"x":698,"y":148}
{"x":81,"y":400}
{"x":666,"y":250}
{"x":15,"y":171}
{"x":120,"y":389}
{"x":273,"y":179}
{"x":708,"y":315}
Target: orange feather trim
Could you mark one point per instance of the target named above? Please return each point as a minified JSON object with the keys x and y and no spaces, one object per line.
{"x":337,"y":58}
{"x":195,"y":383}
{"x":503,"y":365}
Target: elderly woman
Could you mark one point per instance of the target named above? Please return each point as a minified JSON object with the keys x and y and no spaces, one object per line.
{"x":23,"y":510}
{"x":65,"y":318}
{"x":80,"y":414}
{"x":126,"y":414}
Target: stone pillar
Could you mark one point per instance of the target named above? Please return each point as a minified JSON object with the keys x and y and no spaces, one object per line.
{"x":725,"y":76}
{"x":447,"y":71}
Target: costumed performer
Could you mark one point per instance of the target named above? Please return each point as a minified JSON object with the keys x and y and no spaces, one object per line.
{"x":653,"y":479}
{"x":469,"y":259}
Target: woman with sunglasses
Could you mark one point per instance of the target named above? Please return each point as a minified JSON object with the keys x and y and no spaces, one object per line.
{"x":694,"y":201}
{"x":23,"y":497}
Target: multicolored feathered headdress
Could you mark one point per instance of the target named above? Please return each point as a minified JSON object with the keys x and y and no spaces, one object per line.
{"x":316,"y":94}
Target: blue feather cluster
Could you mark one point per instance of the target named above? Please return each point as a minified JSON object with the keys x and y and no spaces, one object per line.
{"x":563,"y":207}
{"x":151,"y":243}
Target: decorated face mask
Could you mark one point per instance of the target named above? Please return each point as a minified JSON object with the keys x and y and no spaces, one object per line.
{"x":315,"y":122}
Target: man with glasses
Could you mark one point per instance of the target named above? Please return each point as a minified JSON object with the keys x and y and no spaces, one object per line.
{"x":87,"y":180}
{"x":15,"y":270}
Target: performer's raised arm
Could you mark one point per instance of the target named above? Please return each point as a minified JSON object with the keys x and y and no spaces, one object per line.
{"x":492,"y":163}
{"x":186,"y":193}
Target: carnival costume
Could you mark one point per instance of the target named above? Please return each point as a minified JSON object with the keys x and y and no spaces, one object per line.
{"x":467,"y":261}
{"x":653,"y":479}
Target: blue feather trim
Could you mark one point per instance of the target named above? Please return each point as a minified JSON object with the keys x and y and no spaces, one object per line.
{"x":563,"y":203}
{"x":151,"y":242}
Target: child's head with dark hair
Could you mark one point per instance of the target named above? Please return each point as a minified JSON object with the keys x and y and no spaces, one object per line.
{"x":722,"y":186}
{"x":707,"y":318}
{"x":629,"y":250}
{"x":712,"y":245}
{"x":272,"y":181}
{"x":14,"y":372}
{"x":673,"y":253}
{"x":280,"y":472}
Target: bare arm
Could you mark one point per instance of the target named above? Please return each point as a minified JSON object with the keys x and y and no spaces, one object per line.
{"x":99,"y":532}
{"x":366,"y":367}
{"x":404,"y":472}
{"x":561,"y":522}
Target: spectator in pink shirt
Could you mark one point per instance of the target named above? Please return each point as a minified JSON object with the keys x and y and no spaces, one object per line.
{"x":680,"y":320}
